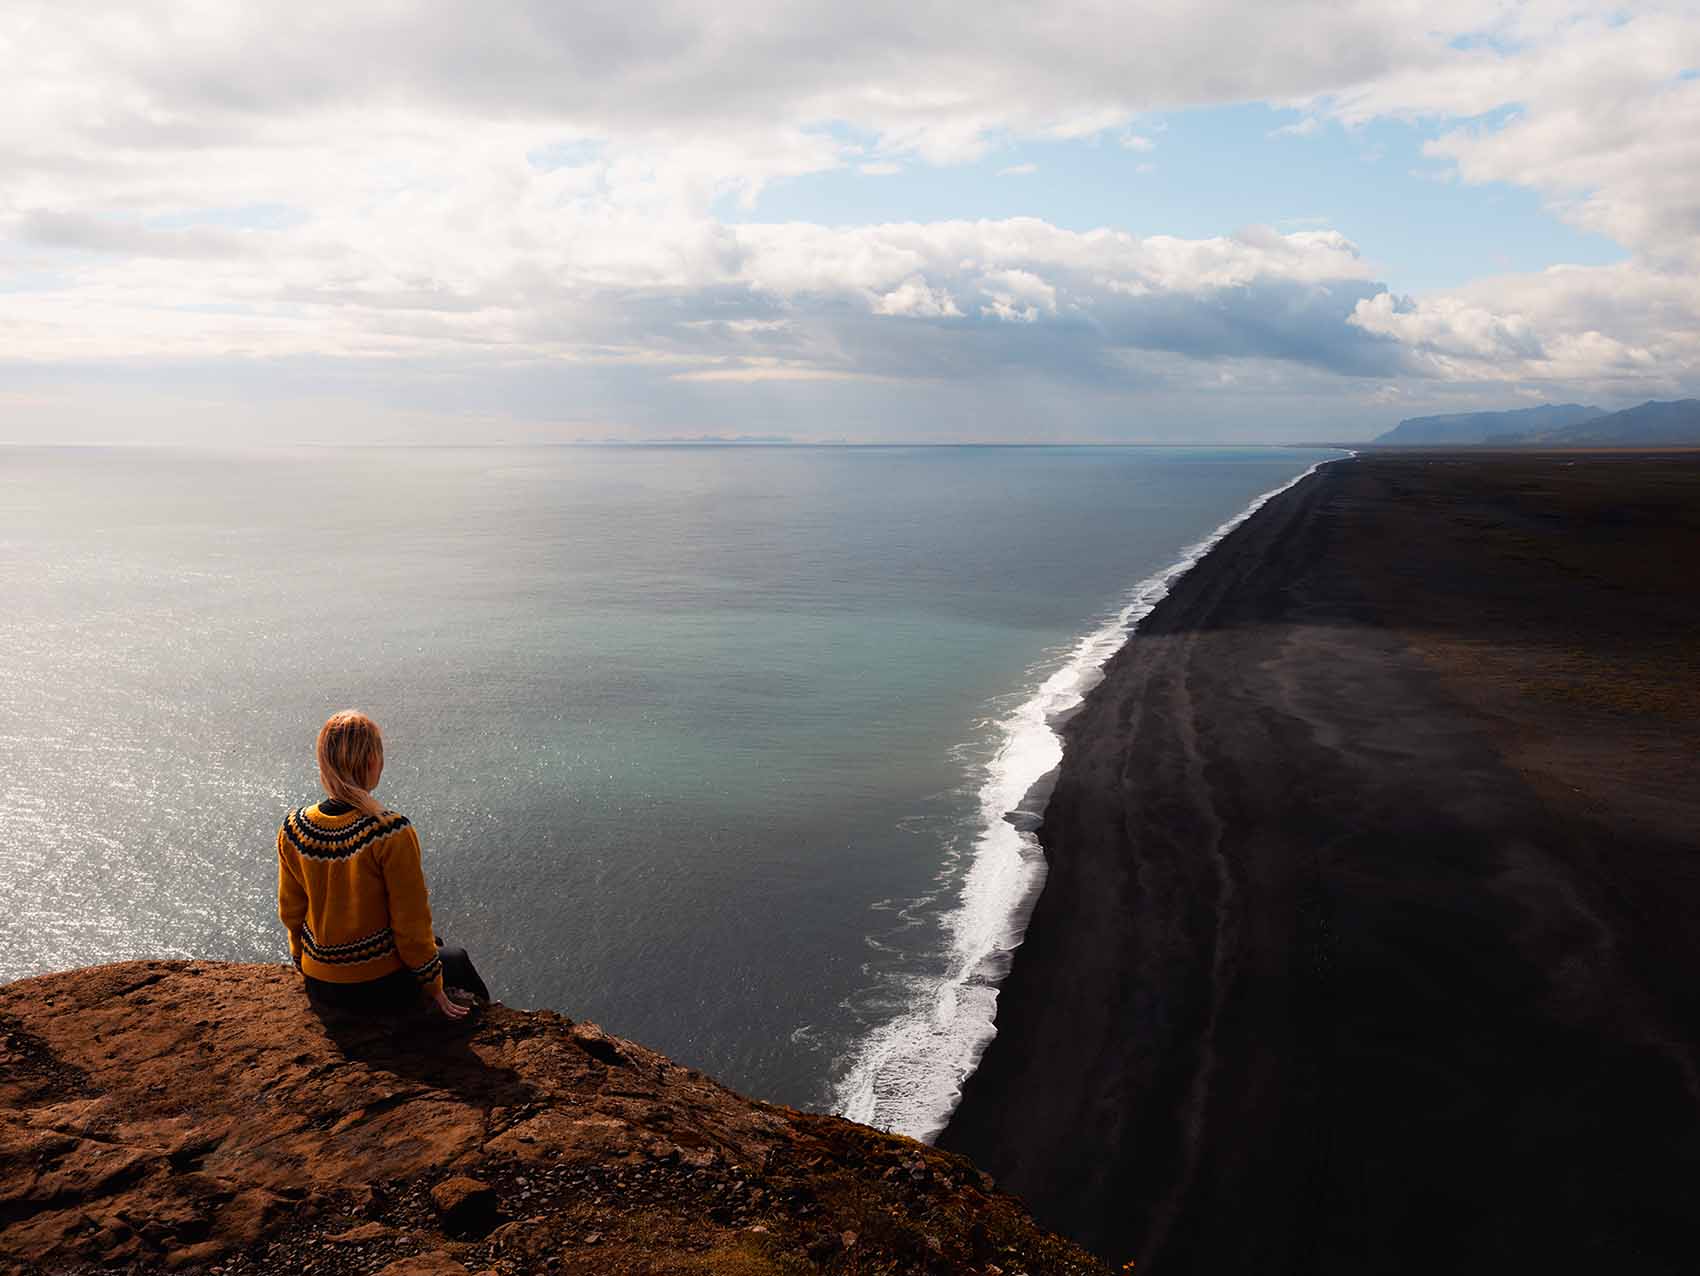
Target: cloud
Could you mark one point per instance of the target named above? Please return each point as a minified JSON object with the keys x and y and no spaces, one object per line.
{"x":1595,"y":109}
{"x":1616,"y":330}
{"x":538,"y":190}
{"x":914,"y":297}
{"x":81,"y":232}
{"x":1018,"y":170}
{"x":1017,"y":296}
{"x":202,"y":76}
{"x":1589,"y":105}
{"x":762,"y":369}
{"x":770,"y":309}
{"x":1449,"y":329}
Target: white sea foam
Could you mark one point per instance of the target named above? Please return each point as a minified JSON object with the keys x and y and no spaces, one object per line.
{"x":907,"y":1074}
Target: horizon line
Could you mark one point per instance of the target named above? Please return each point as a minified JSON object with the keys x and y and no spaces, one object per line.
{"x":729,"y":444}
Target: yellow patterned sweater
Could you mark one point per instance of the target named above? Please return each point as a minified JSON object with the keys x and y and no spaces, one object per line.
{"x":351,"y":892}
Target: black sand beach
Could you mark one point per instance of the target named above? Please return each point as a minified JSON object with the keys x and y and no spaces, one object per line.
{"x":1371,"y":941}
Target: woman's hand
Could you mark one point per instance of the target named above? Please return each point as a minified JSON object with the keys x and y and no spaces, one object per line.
{"x":447,"y":1004}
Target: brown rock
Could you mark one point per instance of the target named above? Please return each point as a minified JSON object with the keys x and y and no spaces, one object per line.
{"x":248,"y":1216}
{"x":193,"y":1256}
{"x":465,"y":1206}
{"x":566,"y":1137}
{"x":526,"y":1238}
{"x":173,"y":1115}
{"x":364,"y":1232}
{"x":437,"y":1264}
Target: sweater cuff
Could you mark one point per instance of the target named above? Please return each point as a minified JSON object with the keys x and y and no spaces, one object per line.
{"x":430,"y":975}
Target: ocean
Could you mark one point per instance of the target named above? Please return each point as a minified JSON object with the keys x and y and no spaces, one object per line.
{"x":711,"y":745}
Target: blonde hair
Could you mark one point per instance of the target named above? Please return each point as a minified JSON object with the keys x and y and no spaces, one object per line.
{"x":349,"y":745}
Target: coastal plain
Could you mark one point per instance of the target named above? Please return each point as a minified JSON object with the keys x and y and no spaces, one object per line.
{"x":1367,"y":943}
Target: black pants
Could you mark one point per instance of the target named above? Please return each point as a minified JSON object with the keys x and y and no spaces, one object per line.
{"x":399,"y":990}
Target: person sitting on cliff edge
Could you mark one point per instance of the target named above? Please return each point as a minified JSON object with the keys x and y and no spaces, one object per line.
{"x":351,"y":891}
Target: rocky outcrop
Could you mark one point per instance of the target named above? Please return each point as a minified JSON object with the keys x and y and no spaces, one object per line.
{"x":197,"y":1116}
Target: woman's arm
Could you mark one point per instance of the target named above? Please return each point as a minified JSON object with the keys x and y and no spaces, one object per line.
{"x":410,"y":910}
{"x":291,"y":899}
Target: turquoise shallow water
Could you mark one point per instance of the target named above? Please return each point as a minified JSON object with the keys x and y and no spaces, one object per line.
{"x":698,"y":740}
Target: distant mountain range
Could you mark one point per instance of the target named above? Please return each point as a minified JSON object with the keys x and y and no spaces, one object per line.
{"x":1653,"y":424}
{"x":1480,"y":427}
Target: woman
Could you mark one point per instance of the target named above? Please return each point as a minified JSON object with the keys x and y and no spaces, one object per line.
{"x":351,"y":891}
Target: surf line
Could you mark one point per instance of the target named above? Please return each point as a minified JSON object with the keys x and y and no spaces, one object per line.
{"x":907,"y":1074}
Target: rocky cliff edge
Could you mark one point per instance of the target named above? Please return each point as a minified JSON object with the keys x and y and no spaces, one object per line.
{"x":200,"y":1117}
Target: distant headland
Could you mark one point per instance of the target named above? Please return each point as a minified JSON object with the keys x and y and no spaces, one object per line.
{"x":1561,"y":425}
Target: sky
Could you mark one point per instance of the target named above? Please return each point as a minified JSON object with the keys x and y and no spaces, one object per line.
{"x":407,"y":221}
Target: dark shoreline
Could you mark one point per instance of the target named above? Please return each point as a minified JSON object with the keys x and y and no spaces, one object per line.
{"x":1365,"y":943}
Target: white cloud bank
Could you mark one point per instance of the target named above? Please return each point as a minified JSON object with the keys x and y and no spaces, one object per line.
{"x":1601,"y":115}
{"x":451,"y":191}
